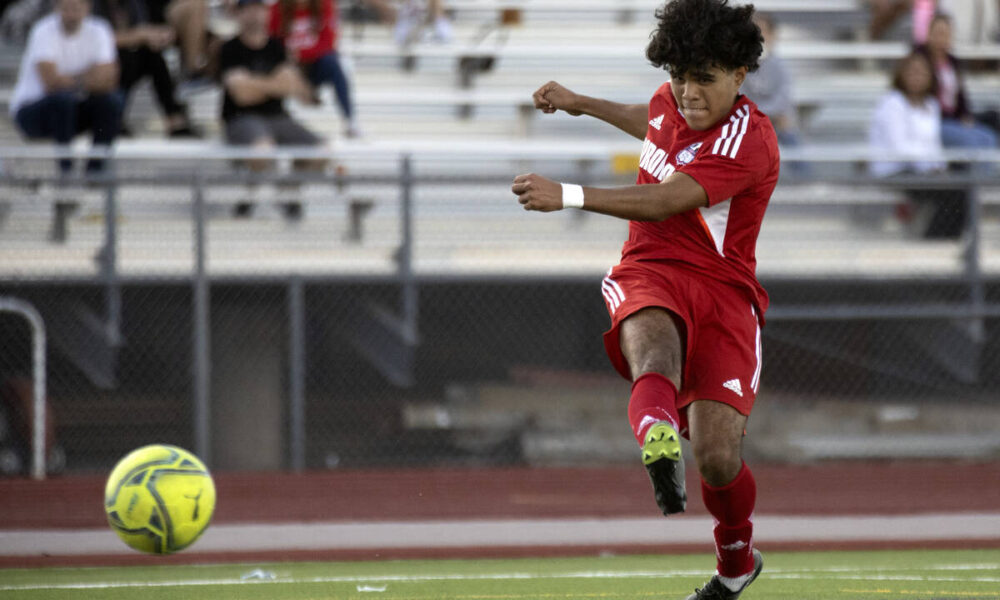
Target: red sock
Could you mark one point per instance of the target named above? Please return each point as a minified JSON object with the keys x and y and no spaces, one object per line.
{"x":654,"y":398}
{"x":732,"y":506}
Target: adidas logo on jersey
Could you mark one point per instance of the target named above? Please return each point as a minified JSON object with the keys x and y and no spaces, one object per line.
{"x":657,"y":123}
{"x":733,"y":385}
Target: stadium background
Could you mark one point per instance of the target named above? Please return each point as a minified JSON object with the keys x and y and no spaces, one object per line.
{"x":417,"y":319}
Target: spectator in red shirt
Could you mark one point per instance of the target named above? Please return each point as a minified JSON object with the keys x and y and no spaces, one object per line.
{"x":309,"y":29}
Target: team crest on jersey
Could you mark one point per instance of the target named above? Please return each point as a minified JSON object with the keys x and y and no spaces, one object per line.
{"x":687,"y":155}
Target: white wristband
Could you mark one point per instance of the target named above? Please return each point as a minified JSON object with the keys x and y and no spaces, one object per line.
{"x":572,"y":195}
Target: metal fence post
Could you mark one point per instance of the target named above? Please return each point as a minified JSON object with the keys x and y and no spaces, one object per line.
{"x":201,"y":356}
{"x":297,"y":373}
{"x":109,"y":263}
{"x":973,"y":265}
{"x":38,"y":350}
{"x":408,"y":281}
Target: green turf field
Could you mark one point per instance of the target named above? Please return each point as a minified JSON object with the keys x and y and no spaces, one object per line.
{"x":915,"y":575}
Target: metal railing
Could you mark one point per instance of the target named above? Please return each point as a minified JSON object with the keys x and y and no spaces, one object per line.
{"x":38,"y":351}
{"x":206,"y":173}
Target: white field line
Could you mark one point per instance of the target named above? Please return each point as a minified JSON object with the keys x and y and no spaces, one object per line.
{"x":514,"y":532}
{"x":826,"y":573}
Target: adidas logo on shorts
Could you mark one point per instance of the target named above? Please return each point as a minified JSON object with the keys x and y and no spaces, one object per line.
{"x":734,"y":386}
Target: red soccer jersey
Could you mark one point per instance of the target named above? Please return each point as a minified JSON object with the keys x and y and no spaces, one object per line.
{"x":736,"y":162}
{"x":309,"y":39}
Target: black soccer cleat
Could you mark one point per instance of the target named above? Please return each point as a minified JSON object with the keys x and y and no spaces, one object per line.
{"x":661,"y":454}
{"x":716,"y":590}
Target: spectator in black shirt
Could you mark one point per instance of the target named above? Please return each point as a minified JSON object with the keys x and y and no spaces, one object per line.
{"x":257,"y":77}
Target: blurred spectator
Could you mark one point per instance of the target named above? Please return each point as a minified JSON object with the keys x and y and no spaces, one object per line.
{"x":411,"y":17}
{"x":907,"y":122}
{"x":974,"y":21}
{"x":257,"y":78}
{"x":189,"y":21}
{"x":770,"y":87}
{"x":901,"y":19}
{"x":310,"y":30}
{"x":19,"y":16}
{"x":959,"y":128}
{"x":886,"y":15}
{"x":140,"y":54}
{"x":68,"y":79}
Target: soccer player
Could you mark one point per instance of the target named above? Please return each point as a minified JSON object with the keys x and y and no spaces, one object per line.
{"x":685,"y":304}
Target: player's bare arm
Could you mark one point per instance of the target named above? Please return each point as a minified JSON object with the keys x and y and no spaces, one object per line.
{"x":677,"y":194}
{"x":630,"y":118}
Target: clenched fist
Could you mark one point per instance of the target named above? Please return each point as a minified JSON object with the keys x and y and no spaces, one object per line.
{"x":535,"y":192}
{"x":552,"y":97}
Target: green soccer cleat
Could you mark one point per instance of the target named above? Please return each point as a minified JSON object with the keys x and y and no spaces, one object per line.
{"x":716,"y":590}
{"x":661,"y":453}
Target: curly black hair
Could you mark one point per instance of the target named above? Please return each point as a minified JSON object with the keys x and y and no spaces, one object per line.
{"x":695,"y":35}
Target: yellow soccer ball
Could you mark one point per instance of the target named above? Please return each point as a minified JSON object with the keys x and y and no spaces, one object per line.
{"x":159,"y":499}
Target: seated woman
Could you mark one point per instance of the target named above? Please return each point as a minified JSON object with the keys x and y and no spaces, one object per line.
{"x":959,"y":127}
{"x":906,"y":126}
{"x":309,"y":29}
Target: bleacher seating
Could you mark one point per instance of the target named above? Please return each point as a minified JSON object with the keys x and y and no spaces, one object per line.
{"x":417,"y":99}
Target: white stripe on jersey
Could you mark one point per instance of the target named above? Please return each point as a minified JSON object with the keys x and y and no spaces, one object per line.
{"x":612,"y":292}
{"x":739,"y":138}
{"x":717,"y":220}
{"x":615,"y":299}
{"x":610,"y":299}
{"x":733,"y":131}
{"x":755,"y":382}
{"x":722,"y":137}
{"x":617,"y":288}
{"x":738,"y":123}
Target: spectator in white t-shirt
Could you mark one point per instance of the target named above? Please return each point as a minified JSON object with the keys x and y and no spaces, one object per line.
{"x":68,"y":80}
{"x":906,"y":127}
{"x":907,"y":121}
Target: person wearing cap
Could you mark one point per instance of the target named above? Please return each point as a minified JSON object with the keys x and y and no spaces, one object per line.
{"x":257,"y":77}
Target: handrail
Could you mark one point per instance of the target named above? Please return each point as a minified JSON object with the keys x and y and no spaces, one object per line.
{"x":567,"y":149}
{"x":37,"y":324}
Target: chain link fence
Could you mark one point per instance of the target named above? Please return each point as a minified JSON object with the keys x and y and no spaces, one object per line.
{"x":413,"y":314}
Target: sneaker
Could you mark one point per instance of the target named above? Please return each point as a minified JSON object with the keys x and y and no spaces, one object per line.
{"x":353,"y":130}
{"x":716,"y":590}
{"x":195,"y":85}
{"x":243,"y":210}
{"x":661,"y":453}
{"x":186,"y":131}
{"x":292,"y":211}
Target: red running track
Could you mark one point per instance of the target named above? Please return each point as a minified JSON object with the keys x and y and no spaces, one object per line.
{"x":824,"y":489}
{"x":847,"y":488}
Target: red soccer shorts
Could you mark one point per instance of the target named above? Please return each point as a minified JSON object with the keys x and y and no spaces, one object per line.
{"x":722,"y":358}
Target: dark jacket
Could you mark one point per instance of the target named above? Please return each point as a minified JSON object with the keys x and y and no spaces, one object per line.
{"x":962,"y":109}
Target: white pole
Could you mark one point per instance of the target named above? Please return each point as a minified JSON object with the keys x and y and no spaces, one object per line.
{"x":26,"y":310}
